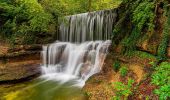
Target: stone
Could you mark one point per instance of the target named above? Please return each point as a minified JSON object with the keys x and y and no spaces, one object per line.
{"x":19,"y":71}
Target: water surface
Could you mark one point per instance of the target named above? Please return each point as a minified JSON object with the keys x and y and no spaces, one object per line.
{"x":41,"y":89}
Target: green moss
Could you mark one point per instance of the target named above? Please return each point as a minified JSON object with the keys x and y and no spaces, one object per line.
{"x":12,"y":96}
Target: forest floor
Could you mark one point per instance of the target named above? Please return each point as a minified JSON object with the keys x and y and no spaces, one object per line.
{"x":101,"y":86}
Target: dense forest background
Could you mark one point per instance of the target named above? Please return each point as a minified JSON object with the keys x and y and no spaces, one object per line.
{"x":28,"y":21}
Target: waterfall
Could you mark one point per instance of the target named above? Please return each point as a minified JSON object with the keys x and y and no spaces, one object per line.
{"x":64,"y":61}
{"x":88,"y":26}
{"x":81,"y":49}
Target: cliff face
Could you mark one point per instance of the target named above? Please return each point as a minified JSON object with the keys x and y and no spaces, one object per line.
{"x":19,"y":63}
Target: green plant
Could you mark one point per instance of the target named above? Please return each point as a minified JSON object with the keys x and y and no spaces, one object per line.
{"x":23,"y":20}
{"x":123,"y":90}
{"x":123,"y":71}
{"x":166,"y":35}
{"x":163,"y":92}
{"x":144,"y":55}
{"x":142,"y":17}
{"x":161,"y":78}
{"x":116,"y":65}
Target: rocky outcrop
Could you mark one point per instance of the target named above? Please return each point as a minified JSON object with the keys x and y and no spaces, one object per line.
{"x":19,"y":63}
{"x":20,"y":71}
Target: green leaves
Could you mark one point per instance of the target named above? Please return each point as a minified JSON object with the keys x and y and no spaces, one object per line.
{"x":141,"y":17}
{"x":144,"y":14}
{"x":116,"y":65}
{"x":123,"y":90}
{"x":163,"y":92}
{"x":161,"y":78}
{"x":24,"y":19}
{"x":123,"y":71}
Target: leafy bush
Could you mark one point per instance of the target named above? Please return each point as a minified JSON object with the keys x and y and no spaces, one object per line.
{"x":123,"y":71}
{"x":24,"y":19}
{"x":116,"y":65}
{"x":161,"y":78}
{"x":163,"y":92}
{"x":123,"y":90}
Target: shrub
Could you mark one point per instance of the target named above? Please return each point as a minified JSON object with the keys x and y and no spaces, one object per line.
{"x":161,"y":78}
{"x":116,"y":65}
{"x":123,"y":90}
{"x":123,"y":71}
{"x":24,"y":18}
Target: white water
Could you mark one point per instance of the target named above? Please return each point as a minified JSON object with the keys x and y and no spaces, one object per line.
{"x":76,"y":60}
{"x":88,"y":26}
{"x":64,"y":61}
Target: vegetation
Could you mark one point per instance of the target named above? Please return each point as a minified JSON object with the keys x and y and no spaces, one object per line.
{"x":162,"y":49}
{"x":138,"y":16}
{"x":36,"y":21}
{"x":123,"y":71}
{"x":142,"y":16}
{"x":116,"y":65}
{"x":24,"y":20}
{"x":123,"y":90}
{"x":144,"y":55}
{"x":161,"y":78}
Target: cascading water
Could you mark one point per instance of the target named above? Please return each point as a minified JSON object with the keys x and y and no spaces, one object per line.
{"x":65,"y":61}
{"x":88,"y":26}
{"x":75,"y":59}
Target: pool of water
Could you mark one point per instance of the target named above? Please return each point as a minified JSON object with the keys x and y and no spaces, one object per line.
{"x":41,"y":89}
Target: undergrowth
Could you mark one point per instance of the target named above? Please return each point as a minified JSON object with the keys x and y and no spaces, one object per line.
{"x":161,"y":78}
{"x":162,"y":49}
{"x":123,"y":71}
{"x":116,"y":65}
{"x":123,"y":90}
